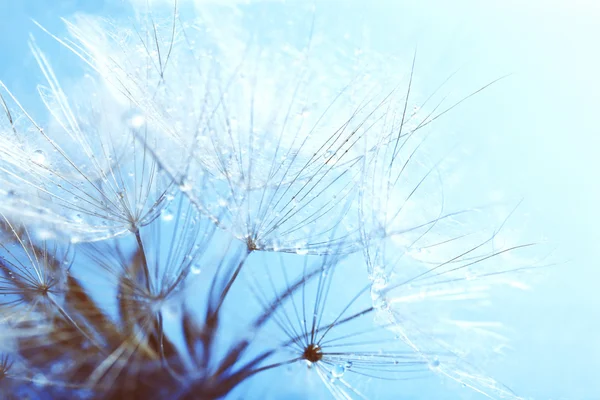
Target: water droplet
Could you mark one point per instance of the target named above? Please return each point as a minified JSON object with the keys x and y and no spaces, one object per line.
{"x":304,"y":113}
{"x":195,"y":269}
{"x":38,"y":157}
{"x":166,"y":216}
{"x":338,"y":371}
{"x":275,"y":246}
{"x":137,"y":121}
{"x":185,"y":186}
{"x":435,"y":363}
{"x":302,"y":252}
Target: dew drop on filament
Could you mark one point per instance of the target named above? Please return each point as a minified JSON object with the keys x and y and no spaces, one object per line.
{"x":338,"y":371}
{"x":136,"y":121}
{"x":185,"y":187}
{"x":166,"y":216}
{"x":301,"y":251}
{"x":195,"y":269}
{"x":38,"y":157}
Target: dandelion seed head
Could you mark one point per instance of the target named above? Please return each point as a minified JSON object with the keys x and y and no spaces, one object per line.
{"x":312,"y":353}
{"x":251,"y":244}
{"x":87,"y":162}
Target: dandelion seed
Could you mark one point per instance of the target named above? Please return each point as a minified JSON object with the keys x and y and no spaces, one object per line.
{"x":90,"y":165}
{"x":341,"y":349}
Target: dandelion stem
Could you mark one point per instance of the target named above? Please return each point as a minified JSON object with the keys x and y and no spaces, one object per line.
{"x":234,"y":276}
{"x":145,"y":269}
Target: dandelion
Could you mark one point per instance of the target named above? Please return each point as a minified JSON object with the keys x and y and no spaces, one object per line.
{"x":207,"y":209}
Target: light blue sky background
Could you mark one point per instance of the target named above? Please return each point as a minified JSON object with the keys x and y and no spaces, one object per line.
{"x":535,"y":134}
